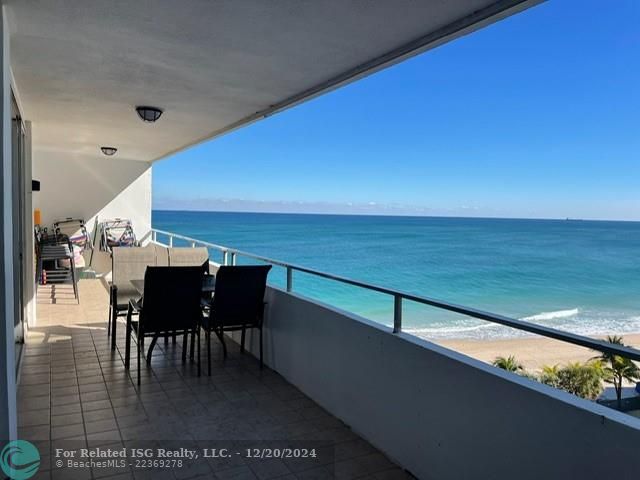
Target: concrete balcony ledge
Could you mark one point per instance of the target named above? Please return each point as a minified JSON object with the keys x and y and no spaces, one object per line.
{"x":439,"y":413}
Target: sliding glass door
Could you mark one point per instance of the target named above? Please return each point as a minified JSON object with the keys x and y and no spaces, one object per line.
{"x":17,"y":179}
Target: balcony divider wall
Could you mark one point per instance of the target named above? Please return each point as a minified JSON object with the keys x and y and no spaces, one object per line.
{"x":8,"y":416}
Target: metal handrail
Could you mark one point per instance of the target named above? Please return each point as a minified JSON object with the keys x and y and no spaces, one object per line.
{"x":399,"y":296}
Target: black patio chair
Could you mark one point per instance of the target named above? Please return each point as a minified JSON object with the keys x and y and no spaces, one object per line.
{"x":170,"y":305}
{"x":237,"y":304}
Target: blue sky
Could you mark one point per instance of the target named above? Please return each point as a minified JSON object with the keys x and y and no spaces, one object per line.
{"x":535,"y":116}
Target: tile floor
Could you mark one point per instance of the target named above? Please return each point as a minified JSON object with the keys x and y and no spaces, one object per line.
{"x":75,"y":393}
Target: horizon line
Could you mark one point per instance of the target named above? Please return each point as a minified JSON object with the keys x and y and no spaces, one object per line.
{"x":557,"y":219}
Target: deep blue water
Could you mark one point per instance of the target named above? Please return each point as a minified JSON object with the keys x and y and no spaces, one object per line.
{"x":582,"y":276}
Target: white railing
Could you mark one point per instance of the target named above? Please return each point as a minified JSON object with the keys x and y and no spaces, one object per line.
{"x":229,"y":257}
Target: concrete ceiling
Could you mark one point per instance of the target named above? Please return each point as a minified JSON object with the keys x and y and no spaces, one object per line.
{"x":81,"y":66}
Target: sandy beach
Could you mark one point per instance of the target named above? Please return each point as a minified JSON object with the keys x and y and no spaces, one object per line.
{"x":532,"y":352}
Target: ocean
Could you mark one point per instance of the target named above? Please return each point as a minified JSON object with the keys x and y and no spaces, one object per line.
{"x":574,"y":275}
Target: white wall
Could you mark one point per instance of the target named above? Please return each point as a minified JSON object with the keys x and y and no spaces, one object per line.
{"x":86,"y":187}
{"x":440,"y":414}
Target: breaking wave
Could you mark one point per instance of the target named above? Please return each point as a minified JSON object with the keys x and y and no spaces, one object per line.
{"x":552,"y":315}
{"x":575,"y":320}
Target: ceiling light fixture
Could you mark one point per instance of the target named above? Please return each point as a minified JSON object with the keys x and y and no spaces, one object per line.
{"x":149,"y":114}
{"x":109,"y":151}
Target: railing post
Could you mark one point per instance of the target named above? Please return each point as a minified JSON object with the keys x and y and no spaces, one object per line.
{"x":289,"y":279}
{"x":153,"y":236}
{"x":170,"y":241}
{"x":193,"y":244}
{"x":397,"y":314}
{"x":225,"y":257}
{"x":233,"y":258}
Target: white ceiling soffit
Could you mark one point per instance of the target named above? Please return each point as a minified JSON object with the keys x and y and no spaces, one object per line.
{"x":81,"y":66}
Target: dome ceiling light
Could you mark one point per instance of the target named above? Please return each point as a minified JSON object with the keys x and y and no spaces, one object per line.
{"x":109,"y":151}
{"x":149,"y":114}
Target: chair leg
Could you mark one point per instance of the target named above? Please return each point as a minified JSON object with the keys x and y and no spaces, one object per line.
{"x":73,"y":276}
{"x":242,"y":339}
{"x":261,"y":364}
{"x":197,"y":329}
{"x":174,"y":337}
{"x":166,"y":338}
{"x":220,"y":335}
{"x":184,"y":347}
{"x":109,"y":316}
{"x":151,"y":345}
{"x":208,"y":339}
{"x":112,"y":326}
{"x":193,"y":344}
{"x":139,"y":352}
{"x":114,"y":322}
{"x":127,"y":342}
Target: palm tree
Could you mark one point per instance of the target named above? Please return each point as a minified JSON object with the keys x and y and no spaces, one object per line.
{"x":510,"y":364}
{"x":617,"y":369}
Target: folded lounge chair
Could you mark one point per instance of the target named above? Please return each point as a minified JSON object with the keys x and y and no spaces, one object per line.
{"x":55,"y":250}
{"x":117,"y":233}
{"x":74,"y":229}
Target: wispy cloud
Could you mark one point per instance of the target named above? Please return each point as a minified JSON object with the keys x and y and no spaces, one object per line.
{"x":296,"y":206}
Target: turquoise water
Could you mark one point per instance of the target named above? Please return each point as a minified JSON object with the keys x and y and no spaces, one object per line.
{"x":581,"y":276}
